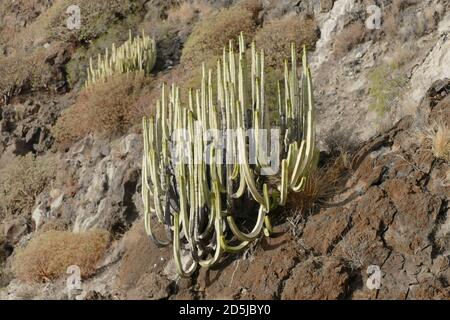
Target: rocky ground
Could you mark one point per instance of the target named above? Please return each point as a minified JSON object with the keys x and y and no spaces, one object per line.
{"x":392,"y":211}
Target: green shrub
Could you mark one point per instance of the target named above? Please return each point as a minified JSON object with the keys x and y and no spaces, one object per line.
{"x":277,"y":35}
{"x":211,"y":34}
{"x":22,"y":180}
{"x":104,"y":109}
{"x":385,"y":86}
{"x":48,"y":256}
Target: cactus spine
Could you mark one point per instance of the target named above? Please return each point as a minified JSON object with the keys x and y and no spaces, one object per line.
{"x":196,"y":200}
{"x":136,"y":54}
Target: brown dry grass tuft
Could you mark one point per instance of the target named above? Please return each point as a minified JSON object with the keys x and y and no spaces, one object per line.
{"x":105,"y":109}
{"x":277,"y":35}
{"x":438,"y":135}
{"x":321,"y":185}
{"x":349,"y":37}
{"x":48,"y":256}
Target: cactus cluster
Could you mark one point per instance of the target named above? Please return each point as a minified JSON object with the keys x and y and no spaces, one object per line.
{"x":136,"y":54}
{"x":201,"y":201}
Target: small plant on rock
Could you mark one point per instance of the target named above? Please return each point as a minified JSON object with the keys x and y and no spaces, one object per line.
{"x":439,"y":137}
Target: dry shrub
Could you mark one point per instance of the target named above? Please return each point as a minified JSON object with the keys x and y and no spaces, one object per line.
{"x":392,"y":18}
{"x":48,"y":256}
{"x":326,"y":5}
{"x":25,"y":71}
{"x":211,"y":34}
{"x":432,"y":15}
{"x":277,"y":35}
{"x":399,"y":5}
{"x":254,"y":6}
{"x":390,"y":25}
{"x":16,"y":12}
{"x":349,"y":37}
{"x":105,"y":109}
{"x":187,"y":11}
{"x":22,"y":180}
{"x":438,"y":135}
{"x":17,"y":15}
{"x":403,"y":55}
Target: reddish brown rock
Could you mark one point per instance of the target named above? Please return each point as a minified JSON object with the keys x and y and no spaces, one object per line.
{"x":259,"y":276}
{"x":322,"y":278}
{"x":325,"y":229}
{"x":415,"y":219}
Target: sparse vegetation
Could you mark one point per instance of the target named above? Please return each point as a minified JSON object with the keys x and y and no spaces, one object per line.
{"x":402,"y":55}
{"x":105,"y":109}
{"x":187,"y":11}
{"x":276,"y":36}
{"x":407,"y":24}
{"x":385,"y":86}
{"x":211,"y":34}
{"x":49,"y":255}
{"x":348,"y":38}
{"x":26,"y":72}
{"x":97,"y":16}
{"x":22,"y":180}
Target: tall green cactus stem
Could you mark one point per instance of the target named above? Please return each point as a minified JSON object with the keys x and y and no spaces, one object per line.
{"x":197,"y":200}
{"x":136,"y":54}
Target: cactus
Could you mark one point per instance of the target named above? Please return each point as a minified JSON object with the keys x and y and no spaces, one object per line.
{"x":197,"y":200}
{"x":138,"y":54}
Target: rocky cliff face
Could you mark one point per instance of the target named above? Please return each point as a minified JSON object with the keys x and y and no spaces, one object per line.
{"x":392,"y":211}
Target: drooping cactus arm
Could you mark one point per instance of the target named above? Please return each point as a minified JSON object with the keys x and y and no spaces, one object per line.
{"x":284,"y":182}
{"x":218,"y":224}
{"x":177,"y":250}
{"x":146,"y":199}
{"x":233,"y":248}
{"x":256,"y":231}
